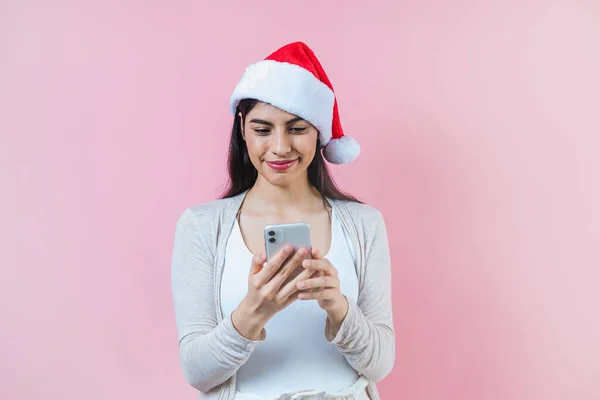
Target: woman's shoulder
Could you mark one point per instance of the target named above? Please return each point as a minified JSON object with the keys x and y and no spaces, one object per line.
{"x":211,"y":207}
{"x":210,"y":211}
{"x":360,"y":211}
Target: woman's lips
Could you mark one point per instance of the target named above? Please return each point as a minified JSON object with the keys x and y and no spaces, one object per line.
{"x":281,"y":165}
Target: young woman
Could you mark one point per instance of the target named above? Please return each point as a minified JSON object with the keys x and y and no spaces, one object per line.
{"x":245,"y":332}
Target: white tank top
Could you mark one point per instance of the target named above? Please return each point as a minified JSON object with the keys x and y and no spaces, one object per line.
{"x":295,"y":354}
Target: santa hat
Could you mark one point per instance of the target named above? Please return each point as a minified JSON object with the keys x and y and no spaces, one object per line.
{"x":293,"y":80}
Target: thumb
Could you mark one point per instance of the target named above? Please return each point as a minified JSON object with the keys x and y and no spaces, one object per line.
{"x":257,"y":263}
{"x":316,"y":254}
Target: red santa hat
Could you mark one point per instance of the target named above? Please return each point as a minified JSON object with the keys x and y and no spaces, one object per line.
{"x":293,"y":80}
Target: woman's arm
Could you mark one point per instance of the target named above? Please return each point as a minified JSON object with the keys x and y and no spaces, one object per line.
{"x":210,"y":353}
{"x":366,"y":337}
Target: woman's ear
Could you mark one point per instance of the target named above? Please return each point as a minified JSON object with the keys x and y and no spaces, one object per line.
{"x":242,"y":126}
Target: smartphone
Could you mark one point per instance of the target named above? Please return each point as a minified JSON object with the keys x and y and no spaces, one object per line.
{"x":295,"y":234}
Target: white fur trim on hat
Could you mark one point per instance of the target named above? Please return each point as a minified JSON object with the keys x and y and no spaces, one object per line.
{"x":342,"y":150}
{"x":290,"y":88}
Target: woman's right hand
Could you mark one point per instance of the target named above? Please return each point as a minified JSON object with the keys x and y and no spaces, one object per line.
{"x":267,"y":294}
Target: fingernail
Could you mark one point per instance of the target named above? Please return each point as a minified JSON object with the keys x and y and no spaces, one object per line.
{"x":301,"y":285}
{"x":306,"y":263}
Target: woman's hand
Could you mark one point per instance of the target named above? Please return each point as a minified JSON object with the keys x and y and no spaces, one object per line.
{"x":267,"y":293}
{"x":325,"y":288}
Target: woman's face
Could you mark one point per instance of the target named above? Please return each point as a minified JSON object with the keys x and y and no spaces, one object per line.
{"x":281,"y":146}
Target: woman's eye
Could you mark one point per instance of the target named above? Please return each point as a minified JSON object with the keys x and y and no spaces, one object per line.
{"x":261,"y":131}
{"x":298,"y":129}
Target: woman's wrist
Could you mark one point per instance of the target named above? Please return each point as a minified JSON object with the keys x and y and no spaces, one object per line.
{"x":338,"y":313}
{"x":247,"y":322}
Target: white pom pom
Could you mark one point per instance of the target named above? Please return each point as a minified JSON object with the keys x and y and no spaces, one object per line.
{"x":342,"y":150}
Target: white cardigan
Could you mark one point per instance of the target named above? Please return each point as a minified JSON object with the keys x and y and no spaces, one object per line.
{"x":211,"y":349}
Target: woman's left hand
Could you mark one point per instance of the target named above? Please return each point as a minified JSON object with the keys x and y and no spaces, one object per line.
{"x":324,"y":287}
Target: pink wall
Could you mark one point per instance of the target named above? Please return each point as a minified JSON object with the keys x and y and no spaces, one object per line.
{"x":480,"y":133}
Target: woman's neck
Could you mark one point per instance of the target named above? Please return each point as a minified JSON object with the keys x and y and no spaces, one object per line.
{"x":265,"y":197}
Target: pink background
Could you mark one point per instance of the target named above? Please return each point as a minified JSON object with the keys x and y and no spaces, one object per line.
{"x":479,"y":124}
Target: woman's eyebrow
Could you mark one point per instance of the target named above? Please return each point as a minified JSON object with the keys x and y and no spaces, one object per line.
{"x":263,"y":122}
{"x":291,"y":121}
{"x":260,"y":121}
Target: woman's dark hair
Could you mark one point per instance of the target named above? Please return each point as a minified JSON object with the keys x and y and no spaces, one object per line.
{"x":242,"y":173}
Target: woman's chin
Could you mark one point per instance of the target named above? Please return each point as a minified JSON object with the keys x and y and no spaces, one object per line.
{"x":279,"y":179}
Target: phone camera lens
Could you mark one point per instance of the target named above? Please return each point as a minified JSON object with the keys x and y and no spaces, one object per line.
{"x":271,"y":233}
{"x":272,"y":240}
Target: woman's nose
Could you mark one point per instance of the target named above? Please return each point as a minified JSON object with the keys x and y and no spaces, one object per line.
{"x":282,"y":143}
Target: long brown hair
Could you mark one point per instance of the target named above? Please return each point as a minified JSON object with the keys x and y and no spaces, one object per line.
{"x":242,"y":173}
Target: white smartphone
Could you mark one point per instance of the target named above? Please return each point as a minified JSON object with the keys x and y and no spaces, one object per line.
{"x":295,"y":234}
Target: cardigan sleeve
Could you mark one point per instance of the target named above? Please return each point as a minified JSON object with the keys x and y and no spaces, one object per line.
{"x":210,"y":352}
{"x":366,"y":337}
